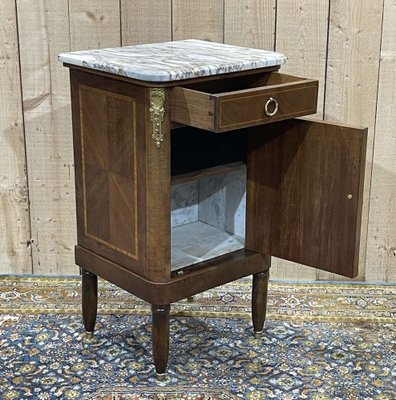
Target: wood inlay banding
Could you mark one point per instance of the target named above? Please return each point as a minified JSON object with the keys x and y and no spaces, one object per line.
{"x":109,"y":169}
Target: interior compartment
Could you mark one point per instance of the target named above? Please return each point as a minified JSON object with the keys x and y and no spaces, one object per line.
{"x":208,"y":195}
{"x":195,"y":150}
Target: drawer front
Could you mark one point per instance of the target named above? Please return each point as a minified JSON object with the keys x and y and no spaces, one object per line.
{"x":218,"y":108}
{"x":261,"y":106}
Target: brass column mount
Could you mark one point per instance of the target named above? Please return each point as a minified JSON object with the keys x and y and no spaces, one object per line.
{"x":157,"y":112}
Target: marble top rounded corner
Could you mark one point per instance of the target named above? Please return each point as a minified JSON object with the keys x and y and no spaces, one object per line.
{"x":173,"y":61}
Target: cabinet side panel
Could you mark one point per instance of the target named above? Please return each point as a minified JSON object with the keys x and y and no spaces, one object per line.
{"x":109,"y":169}
{"x":305,"y":182}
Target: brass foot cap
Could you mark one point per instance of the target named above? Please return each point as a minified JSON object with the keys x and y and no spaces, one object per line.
{"x":258,"y":334}
{"x":89,"y":335}
{"x":161,"y":377}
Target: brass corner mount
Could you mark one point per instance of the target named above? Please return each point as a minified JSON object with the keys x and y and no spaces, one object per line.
{"x":157,"y":113}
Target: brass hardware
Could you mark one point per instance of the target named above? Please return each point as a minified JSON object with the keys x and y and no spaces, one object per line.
{"x":161,"y":377}
{"x":349,"y":196}
{"x":157,"y":112}
{"x":270,"y":101}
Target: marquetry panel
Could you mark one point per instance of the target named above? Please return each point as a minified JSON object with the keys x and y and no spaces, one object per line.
{"x":109,"y":172}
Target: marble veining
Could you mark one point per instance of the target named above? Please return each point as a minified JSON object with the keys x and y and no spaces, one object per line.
{"x":222,"y":201}
{"x":196,"y":242}
{"x":184,"y":203}
{"x":208,"y":217}
{"x":173,"y":61}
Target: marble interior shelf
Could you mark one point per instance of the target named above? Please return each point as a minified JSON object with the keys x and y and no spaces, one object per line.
{"x":172,"y":61}
{"x":208,"y":216}
{"x":197,"y":241}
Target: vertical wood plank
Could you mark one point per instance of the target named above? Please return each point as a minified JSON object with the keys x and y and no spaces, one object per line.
{"x":198,"y":19}
{"x":250,"y":23}
{"x":43,"y":33}
{"x":351,"y":81}
{"x":381,"y":257}
{"x":146,"y":21}
{"x":301,"y":35}
{"x":94,"y":24}
{"x":15,"y":253}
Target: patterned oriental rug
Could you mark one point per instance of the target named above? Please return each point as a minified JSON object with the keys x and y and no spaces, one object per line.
{"x":321,"y":342}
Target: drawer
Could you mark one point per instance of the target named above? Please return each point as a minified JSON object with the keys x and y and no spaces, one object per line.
{"x":235,"y":103}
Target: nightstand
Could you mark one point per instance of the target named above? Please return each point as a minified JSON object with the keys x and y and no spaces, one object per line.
{"x":192,"y":171}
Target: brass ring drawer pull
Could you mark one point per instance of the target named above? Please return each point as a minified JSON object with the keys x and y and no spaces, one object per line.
{"x":275,"y":106}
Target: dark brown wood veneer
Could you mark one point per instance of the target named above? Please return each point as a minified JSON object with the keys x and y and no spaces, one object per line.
{"x":304,"y":190}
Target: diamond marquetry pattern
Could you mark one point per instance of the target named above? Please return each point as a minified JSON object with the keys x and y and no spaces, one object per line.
{"x":108,"y":136}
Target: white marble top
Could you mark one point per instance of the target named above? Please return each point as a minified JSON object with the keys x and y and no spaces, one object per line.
{"x":172,"y":61}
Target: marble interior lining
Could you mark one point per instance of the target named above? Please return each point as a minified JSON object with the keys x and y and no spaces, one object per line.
{"x":208,"y":217}
{"x":184,"y":203}
{"x":172,"y":61}
{"x":222,"y":201}
{"x":197,"y":241}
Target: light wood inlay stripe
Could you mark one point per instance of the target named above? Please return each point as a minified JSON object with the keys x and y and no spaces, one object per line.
{"x":107,"y":243}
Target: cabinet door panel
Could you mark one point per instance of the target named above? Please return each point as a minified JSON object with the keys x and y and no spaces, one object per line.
{"x":304,"y":193}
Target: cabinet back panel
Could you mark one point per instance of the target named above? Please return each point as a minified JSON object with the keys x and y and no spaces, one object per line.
{"x":195,"y":149}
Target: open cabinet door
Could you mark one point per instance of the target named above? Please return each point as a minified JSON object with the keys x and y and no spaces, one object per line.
{"x":304,"y":193}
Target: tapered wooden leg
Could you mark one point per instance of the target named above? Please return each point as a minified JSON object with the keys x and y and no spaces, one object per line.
{"x":89,"y":301}
{"x":259,"y":301}
{"x":160,"y":337}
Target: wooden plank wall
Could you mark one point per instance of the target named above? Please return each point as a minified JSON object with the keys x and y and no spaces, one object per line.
{"x":381,"y":243}
{"x":301,"y":34}
{"x":349,"y":46}
{"x":15,"y":249}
